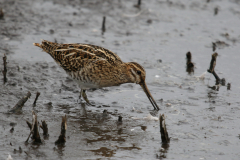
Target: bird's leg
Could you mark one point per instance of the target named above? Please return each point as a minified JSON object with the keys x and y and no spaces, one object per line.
{"x":83,"y":91}
{"x":80,"y":96}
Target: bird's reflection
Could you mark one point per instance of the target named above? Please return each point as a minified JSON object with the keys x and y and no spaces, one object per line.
{"x":189,"y":63}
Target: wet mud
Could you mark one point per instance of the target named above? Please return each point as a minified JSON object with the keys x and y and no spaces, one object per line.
{"x":202,"y":119}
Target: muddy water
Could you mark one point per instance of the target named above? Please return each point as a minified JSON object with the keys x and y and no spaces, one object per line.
{"x":203,"y":122}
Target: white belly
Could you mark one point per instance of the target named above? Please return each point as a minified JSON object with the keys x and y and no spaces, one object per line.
{"x":86,"y":84}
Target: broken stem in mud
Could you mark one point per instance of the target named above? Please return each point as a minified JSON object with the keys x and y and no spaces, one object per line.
{"x":44,"y":128}
{"x":27,"y":153}
{"x":37,"y":95}
{"x":163,"y":129}
{"x":214,"y":46}
{"x":62,"y":137}
{"x":189,"y":56}
{"x":189,"y":63}
{"x":138,"y":5}
{"x":4,"y":68}
{"x":213,"y":62}
{"x":20,"y":103}
{"x":216,"y":77}
{"x":34,"y":130}
{"x":29,"y":125}
{"x":120,"y":119}
{"x":119,"y":122}
{"x":228,"y":86}
{"x":1,"y":13}
{"x":212,"y":70}
{"x":103,"y":25}
{"x":215,"y":11}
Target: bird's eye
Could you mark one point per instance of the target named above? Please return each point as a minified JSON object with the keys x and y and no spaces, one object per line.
{"x":139,"y":72}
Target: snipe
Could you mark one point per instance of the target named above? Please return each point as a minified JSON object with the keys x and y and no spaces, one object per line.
{"x":95,"y":67}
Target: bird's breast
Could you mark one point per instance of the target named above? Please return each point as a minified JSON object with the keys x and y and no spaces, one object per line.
{"x":94,"y":78}
{"x":84,"y":79}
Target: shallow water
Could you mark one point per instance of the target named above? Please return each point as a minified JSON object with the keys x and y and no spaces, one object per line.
{"x":203,"y":123}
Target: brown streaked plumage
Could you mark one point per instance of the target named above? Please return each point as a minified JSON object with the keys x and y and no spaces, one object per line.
{"x":95,"y":67}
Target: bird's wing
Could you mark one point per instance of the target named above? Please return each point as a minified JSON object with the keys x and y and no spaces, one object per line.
{"x":98,"y":51}
{"x":74,"y":56}
{"x":74,"y":59}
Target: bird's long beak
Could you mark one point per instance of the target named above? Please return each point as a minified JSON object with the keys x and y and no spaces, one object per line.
{"x":144,"y":87}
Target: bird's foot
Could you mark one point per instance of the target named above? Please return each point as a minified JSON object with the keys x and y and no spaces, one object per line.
{"x":84,"y":95}
{"x":79,"y":101}
{"x":154,"y":113}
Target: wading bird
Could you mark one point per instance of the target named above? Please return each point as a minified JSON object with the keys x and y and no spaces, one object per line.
{"x":95,"y":67}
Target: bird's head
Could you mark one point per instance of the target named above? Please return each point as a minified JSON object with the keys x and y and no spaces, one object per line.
{"x":137,"y":72}
{"x":138,"y":75}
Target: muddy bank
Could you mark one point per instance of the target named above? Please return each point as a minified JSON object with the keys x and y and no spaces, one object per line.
{"x":201,"y":121}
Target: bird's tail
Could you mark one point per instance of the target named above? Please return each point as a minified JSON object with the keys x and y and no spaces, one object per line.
{"x":47,"y":46}
{"x":37,"y":44}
